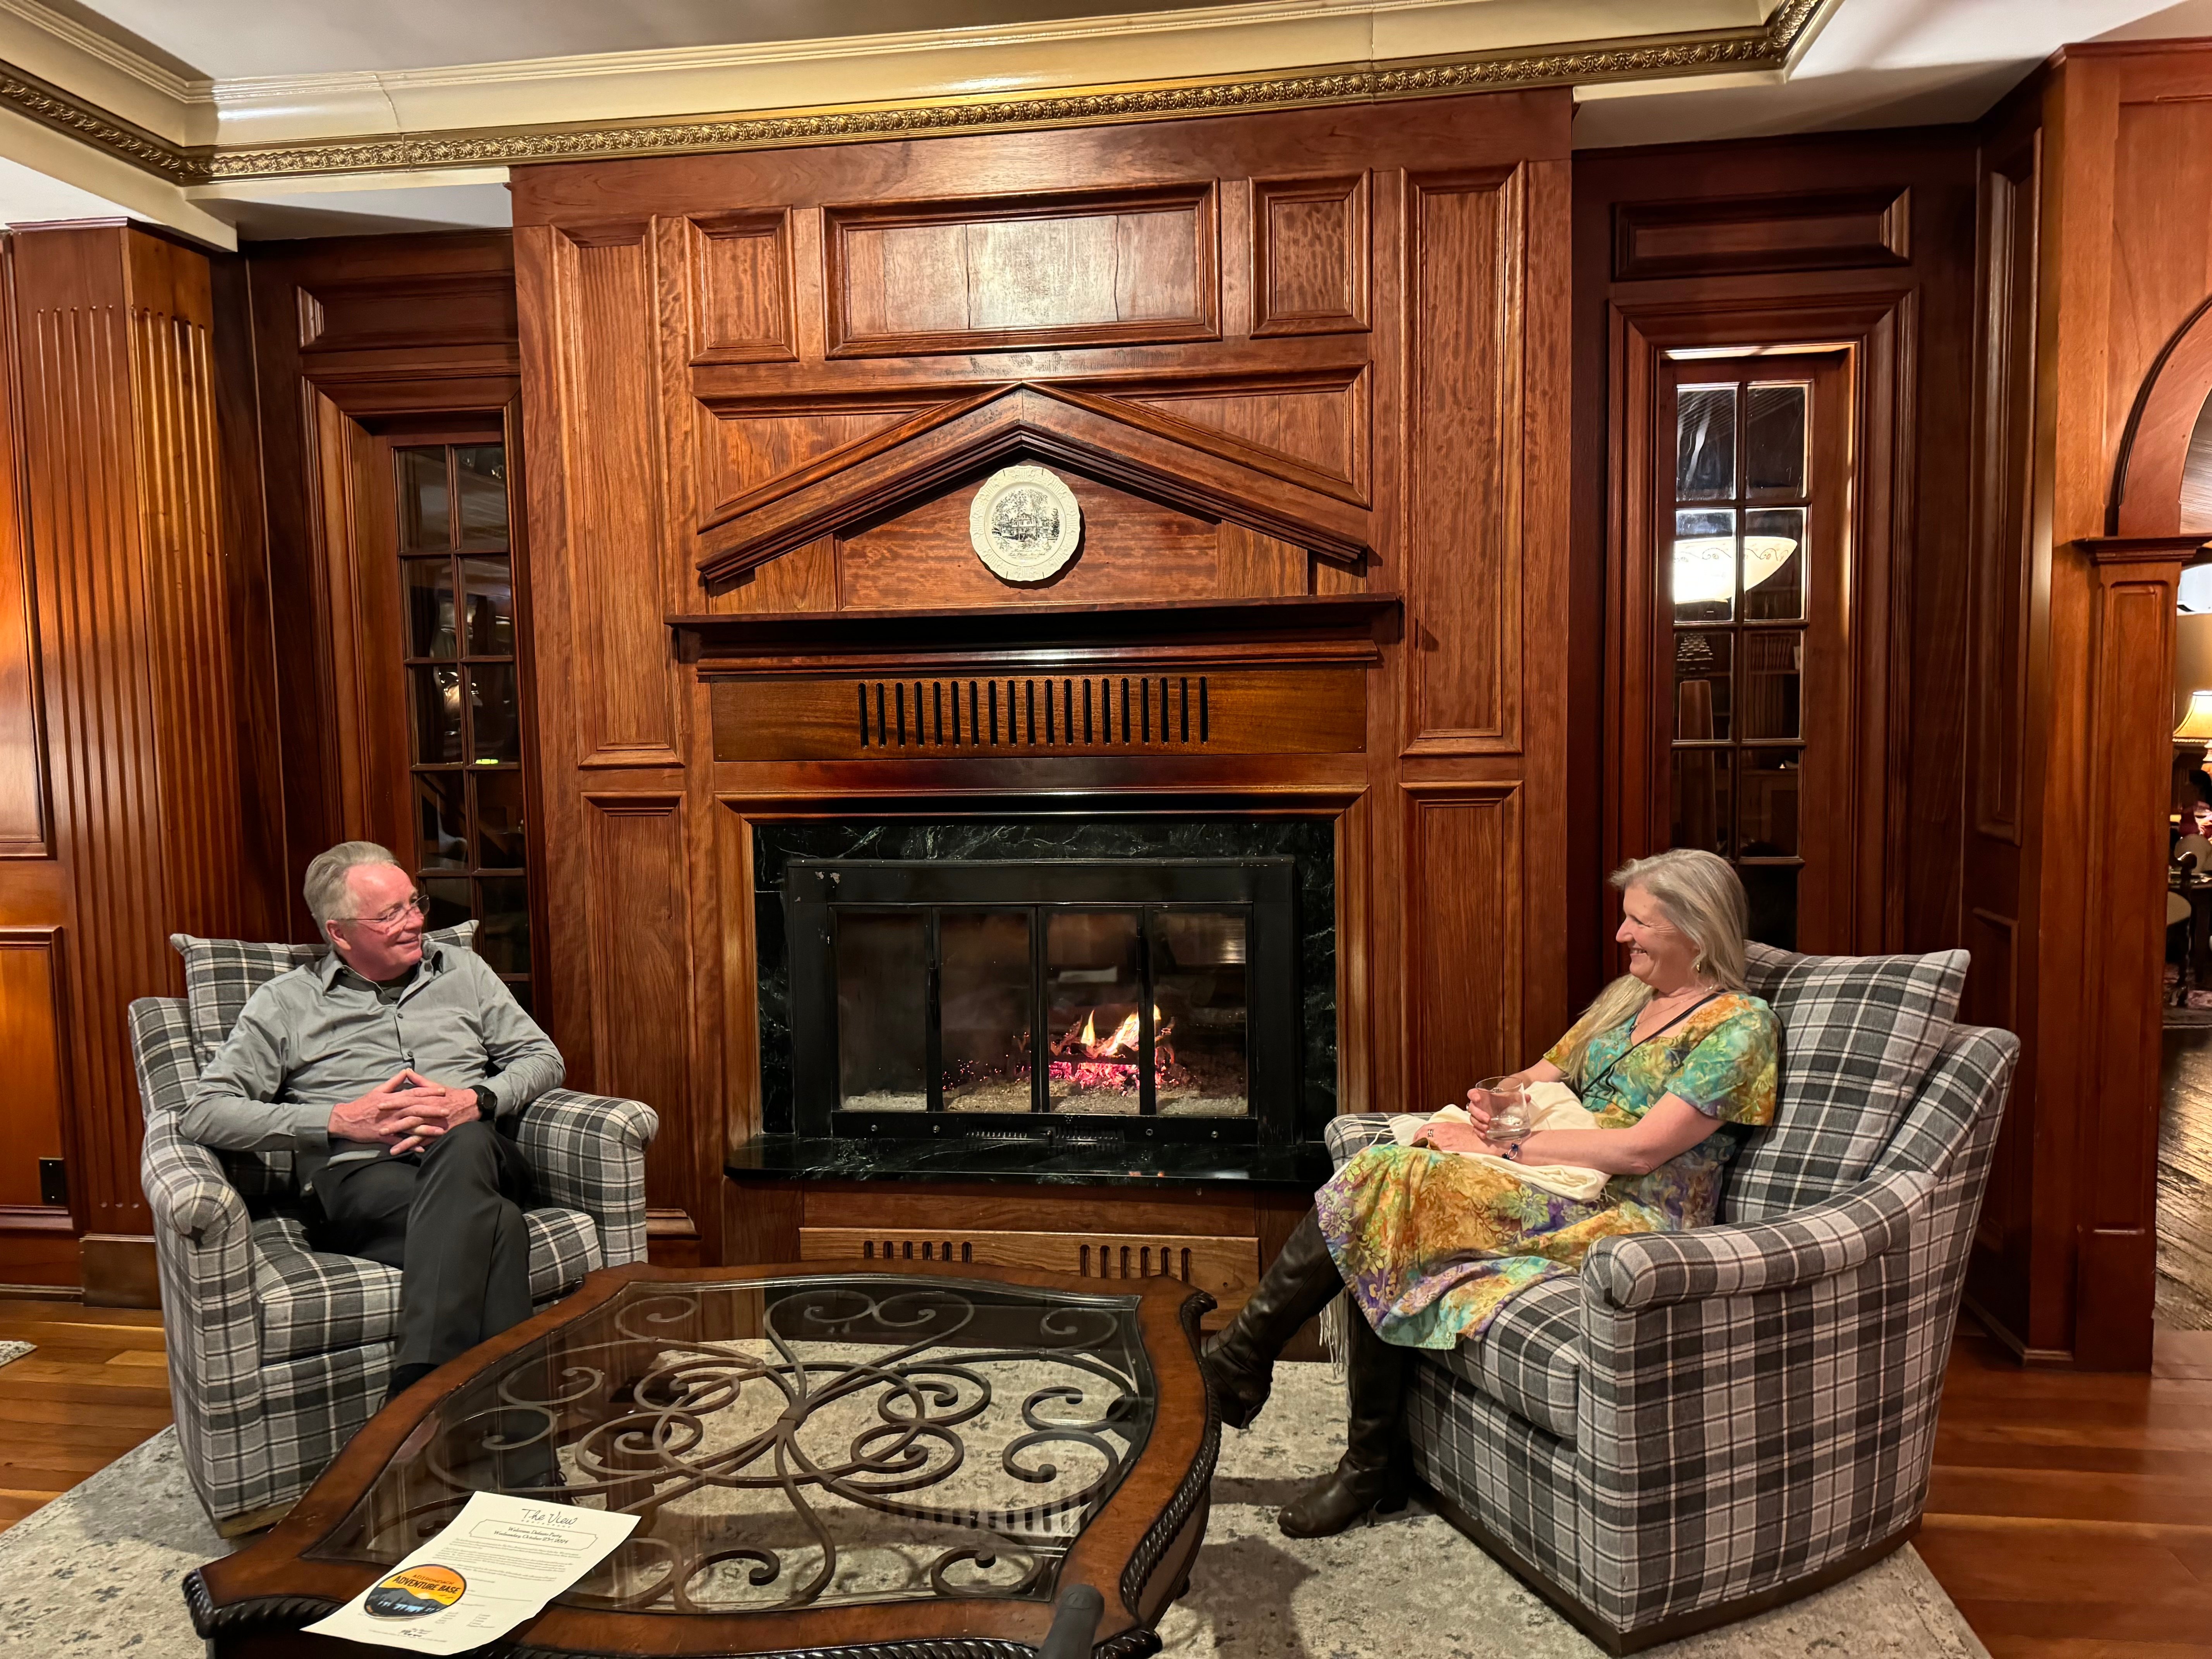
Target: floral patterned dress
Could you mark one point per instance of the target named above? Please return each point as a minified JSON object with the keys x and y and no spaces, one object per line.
{"x":1430,"y":1244}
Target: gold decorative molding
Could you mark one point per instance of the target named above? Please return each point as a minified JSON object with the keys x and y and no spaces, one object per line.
{"x":88,"y":123}
{"x":1768,"y":46}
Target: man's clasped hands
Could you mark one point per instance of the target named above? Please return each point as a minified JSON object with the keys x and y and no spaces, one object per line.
{"x":403,"y":1111}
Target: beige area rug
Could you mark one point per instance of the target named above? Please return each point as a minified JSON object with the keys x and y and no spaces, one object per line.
{"x":96,"y":1572}
{"x":1412,"y":1586}
{"x":15,"y":1350}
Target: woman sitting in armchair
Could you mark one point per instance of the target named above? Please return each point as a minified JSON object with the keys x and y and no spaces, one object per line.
{"x":1429,"y":1243}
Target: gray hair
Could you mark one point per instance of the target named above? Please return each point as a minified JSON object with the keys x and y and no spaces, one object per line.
{"x":325,"y":886}
{"x":1701,"y":894}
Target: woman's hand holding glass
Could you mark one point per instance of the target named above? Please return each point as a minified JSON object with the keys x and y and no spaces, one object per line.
{"x":1450,"y":1137}
{"x":1503,"y":1104}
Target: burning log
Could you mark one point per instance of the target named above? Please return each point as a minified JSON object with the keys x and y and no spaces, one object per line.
{"x":1088,"y":1062}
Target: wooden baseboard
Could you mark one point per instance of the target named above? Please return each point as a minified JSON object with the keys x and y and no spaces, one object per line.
{"x":41,"y":1292}
{"x":120,"y":1271}
{"x":1619,"y":1643}
{"x":2116,"y":1287}
{"x":2036,"y":1359}
{"x":680,"y":1252}
{"x":38,"y":1246}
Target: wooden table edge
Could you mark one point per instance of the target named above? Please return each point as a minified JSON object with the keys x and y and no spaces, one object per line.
{"x":268,"y":1587}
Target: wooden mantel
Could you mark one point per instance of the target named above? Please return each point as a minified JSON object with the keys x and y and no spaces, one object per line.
{"x":1343,"y":626}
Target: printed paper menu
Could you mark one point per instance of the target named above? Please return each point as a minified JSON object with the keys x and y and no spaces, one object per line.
{"x":494,"y":1566}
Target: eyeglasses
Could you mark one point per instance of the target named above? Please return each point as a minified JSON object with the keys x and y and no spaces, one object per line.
{"x":413,"y":906}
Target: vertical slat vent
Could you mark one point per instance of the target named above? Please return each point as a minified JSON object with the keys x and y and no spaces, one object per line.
{"x":1118,"y":711}
{"x":930,"y":1249}
{"x":1133,"y":1261}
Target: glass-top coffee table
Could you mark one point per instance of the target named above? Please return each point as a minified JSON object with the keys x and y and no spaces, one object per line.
{"x":902,"y":1455}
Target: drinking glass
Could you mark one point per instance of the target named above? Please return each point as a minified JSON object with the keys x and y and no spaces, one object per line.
{"x":1507,"y":1099}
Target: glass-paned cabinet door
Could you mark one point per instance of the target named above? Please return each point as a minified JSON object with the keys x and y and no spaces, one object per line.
{"x":472,"y":844}
{"x":1753,"y":561}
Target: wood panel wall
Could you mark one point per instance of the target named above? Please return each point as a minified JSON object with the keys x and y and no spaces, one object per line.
{"x":354,"y":337}
{"x":130,"y":727}
{"x":2094,"y":257}
{"x":37,"y":1241}
{"x":2020,"y":768}
{"x":1275,"y":355}
{"x":2008,"y":558}
{"x":1865,"y":239}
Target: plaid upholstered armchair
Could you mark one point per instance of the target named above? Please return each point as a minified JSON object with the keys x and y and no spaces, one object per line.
{"x":1701,"y":1424}
{"x":278,"y":1353}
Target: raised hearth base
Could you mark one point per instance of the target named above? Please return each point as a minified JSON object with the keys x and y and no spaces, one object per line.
{"x":1212,"y":1216}
{"x":1069,"y":1160}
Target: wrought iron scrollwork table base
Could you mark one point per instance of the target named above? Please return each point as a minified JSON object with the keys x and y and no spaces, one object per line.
{"x":899,"y":1463}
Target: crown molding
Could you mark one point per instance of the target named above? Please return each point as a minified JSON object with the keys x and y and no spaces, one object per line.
{"x":90,"y":125}
{"x":1772,"y":45}
{"x":1246,"y":39}
{"x":68,"y":35}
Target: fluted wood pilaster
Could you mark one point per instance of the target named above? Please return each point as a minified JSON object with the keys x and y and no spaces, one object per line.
{"x":137,"y":657}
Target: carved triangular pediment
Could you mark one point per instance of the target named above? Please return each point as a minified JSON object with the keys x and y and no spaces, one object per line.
{"x":1298,"y":429}
{"x":1116,"y":442}
{"x":743,"y":452}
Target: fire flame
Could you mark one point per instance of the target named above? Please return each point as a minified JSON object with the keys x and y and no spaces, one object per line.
{"x":1081,"y":1058}
{"x":1123,"y":1041}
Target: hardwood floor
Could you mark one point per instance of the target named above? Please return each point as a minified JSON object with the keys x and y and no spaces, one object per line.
{"x":2185,"y":1181}
{"x":2069,"y":1515}
{"x":96,"y":1386}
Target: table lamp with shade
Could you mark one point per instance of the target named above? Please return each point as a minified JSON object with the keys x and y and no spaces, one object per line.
{"x":2197,"y":724}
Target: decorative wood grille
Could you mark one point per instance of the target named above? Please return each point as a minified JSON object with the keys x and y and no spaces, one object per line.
{"x":1024,"y":712}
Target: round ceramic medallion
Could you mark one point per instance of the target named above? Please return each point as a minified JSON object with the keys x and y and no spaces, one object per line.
{"x":1025,"y":524}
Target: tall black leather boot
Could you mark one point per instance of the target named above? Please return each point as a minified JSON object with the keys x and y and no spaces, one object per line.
{"x":1375,"y":1472}
{"x":1240,"y":1360}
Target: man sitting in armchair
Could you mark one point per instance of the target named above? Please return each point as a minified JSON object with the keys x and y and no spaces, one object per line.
{"x":389,"y":1069}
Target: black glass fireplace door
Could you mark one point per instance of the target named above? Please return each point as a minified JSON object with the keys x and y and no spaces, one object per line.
{"x":1149,"y":998}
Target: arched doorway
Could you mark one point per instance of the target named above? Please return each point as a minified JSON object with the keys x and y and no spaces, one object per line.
{"x":2158,"y":521}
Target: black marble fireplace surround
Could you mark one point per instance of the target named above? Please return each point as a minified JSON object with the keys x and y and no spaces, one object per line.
{"x":1081,"y":1150}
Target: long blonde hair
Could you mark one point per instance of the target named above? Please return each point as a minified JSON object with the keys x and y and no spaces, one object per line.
{"x":1700,"y":893}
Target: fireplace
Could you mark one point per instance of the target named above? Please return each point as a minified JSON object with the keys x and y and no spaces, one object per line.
{"x":1045,"y":999}
{"x":990,"y":992}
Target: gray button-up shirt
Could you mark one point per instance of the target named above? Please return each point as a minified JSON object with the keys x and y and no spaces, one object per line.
{"x":319,"y":1036}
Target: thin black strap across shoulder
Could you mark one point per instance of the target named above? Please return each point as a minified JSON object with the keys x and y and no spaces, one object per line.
{"x":1588,"y":1088}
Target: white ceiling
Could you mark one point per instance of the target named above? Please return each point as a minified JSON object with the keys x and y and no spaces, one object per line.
{"x":28,"y":196}
{"x":254,"y":71}
{"x":228,"y":38}
{"x":1883,"y":63}
{"x":356,"y":205}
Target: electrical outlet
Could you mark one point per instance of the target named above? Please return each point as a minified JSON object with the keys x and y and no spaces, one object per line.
{"x":53,"y":1182}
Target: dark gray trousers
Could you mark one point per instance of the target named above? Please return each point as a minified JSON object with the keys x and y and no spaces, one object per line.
{"x":450,"y":1219}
